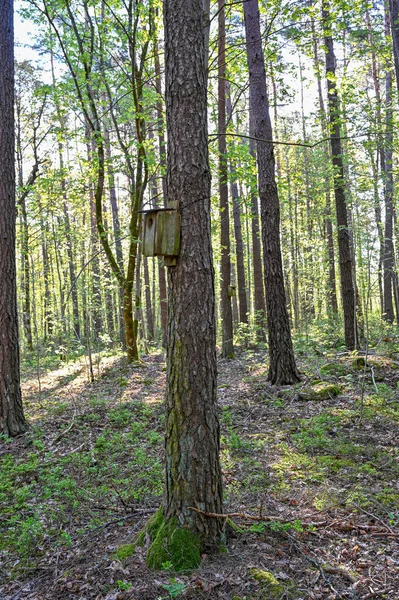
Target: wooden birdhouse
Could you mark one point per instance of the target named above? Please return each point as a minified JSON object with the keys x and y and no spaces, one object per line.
{"x":162,"y":234}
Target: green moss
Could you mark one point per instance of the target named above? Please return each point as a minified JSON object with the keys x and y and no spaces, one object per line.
{"x":271,"y":585}
{"x":230,"y":524}
{"x":358,"y":362}
{"x":321,"y":391}
{"x":176,"y":545}
{"x":170,"y":544}
{"x":333,"y":369}
{"x":151,"y":528}
{"x":125,"y":551}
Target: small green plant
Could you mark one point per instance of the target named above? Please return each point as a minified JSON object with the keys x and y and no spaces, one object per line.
{"x":125,"y":551}
{"x":174,"y":588}
{"x":123,"y":585}
{"x":167,"y":565}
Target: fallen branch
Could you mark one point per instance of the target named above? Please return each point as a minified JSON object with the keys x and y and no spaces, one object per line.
{"x":377,"y":593}
{"x":339,"y":571}
{"x":66,"y":431}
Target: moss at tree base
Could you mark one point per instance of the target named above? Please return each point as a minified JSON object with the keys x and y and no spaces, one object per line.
{"x":170,"y":544}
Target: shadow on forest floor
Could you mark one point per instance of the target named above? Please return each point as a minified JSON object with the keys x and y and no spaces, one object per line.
{"x":320,"y":471}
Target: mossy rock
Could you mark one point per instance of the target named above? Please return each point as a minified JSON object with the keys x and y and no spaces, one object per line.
{"x":333,"y":369}
{"x":272,"y":586}
{"x":125,"y":551}
{"x":170,"y":544}
{"x":322,"y":391}
{"x":358,"y":362}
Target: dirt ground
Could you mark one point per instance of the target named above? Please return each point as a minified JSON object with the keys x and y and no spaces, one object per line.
{"x":312,"y":483}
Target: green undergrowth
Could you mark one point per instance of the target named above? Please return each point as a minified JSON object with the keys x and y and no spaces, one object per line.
{"x":47,"y":501}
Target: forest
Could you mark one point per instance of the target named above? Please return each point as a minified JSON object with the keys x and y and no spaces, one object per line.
{"x":199,"y":299}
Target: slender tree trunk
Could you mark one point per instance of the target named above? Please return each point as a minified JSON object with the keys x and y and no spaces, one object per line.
{"x":235,"y":196}
{"x":346,"y":266}
{"x":394,"y":19}
{"x":309,"y":245}
{"x":95,"y":263}
{"x":12,"y":420}
{"x":374,"y":162}
{"x":282,"y":367}
{"x":193,"y":475}
{"x":332,"y":287}
{"x":26,"y":306}
{"x":68,"y":233}
{"x":48,"y":324}
{"x":163,"y":291}
{"x":389,"y":251}
{"x":225,"y":267}
{"x":61,"y":282}
{"x":259,"y":292}
{"x":116,"y":230}
{"x":25,"y":275}
{"x":148,"y":305}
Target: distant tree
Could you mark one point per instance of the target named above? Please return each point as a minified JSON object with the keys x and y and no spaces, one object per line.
{"x":348,"y":285}
{"x":282,"y":367}
{"x":225,"y":267}
{"x":12,"y":420}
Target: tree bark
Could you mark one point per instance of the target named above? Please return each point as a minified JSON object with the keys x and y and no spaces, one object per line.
{"x":282,"y":367}
{"x":332,"y":302}
{"x":225,"y":266}
{"x":235,"y":196}
{"x":12,"y":420}
{"x":116,"y":230}
{"x":259,"y":292}
{"x":193,"y":475}
{"x":346,"y":266}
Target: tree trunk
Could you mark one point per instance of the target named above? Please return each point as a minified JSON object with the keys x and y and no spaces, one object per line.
{"x":148,"y":305}
{"x":389,"y":260}
{"x":235,"y":196}
{"x":96,"y":301}
{"x":225,"y":267}
{"x":374,"y":161}
{"x":394,"y":18}
{"x":345,"y":260}
{"x":282,"y":367}
{"x":259,"y":292}
{"x":193,"y":475}
{"x":332,"y":302}
{"x":116,"y":230}
{"x":12,"y":420}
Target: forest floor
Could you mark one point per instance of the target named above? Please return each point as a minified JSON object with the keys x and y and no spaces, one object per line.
{"x":319,"y":476}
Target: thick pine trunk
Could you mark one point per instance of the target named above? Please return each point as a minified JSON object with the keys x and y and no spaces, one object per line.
{"x":193,"y":475}
{"x":282,"y":367}
{"x":12,"y":420}
{"x":345,"y":260}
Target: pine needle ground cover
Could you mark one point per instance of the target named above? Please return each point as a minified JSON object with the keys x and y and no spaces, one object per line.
{"x":311,"y":483}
